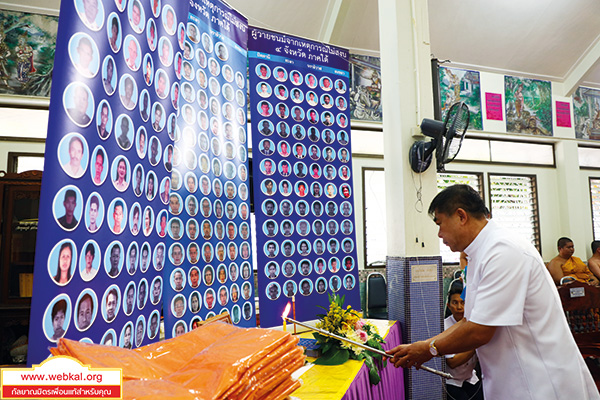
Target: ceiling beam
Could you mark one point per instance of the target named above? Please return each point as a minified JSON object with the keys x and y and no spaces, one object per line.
{"x":335,"y":10}
{"x":581,"y":68}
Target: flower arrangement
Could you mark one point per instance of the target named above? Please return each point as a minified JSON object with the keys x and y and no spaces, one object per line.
{"x":347,"y":323}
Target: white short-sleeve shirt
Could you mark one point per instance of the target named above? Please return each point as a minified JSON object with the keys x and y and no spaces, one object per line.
{"x":532,"y":354}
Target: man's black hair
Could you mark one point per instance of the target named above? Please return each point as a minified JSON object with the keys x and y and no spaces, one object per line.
{"x":563,"y":241}
{"x":458,"y":196}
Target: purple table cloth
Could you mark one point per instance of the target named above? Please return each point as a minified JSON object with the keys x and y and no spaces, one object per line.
{"x":391,"y":386}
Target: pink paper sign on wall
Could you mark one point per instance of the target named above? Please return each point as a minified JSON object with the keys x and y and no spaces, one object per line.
{"x":563,"y":114}
{"x":493,"y":106}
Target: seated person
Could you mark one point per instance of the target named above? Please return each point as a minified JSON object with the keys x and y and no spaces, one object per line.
{"x":594,"y":261}
{"x":564,"y":264}
{"x":466,"y":384}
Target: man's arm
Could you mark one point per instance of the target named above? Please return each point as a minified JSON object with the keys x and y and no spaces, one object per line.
{"x":555,"y":270}
{"x":461,"y":337}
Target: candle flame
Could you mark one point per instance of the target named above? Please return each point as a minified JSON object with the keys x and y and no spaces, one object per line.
{"x":286,"y":310}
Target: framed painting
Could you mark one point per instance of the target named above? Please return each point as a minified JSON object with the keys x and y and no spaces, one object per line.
{"x":586,"y":109}
{"x":365,"y":88}
{"x":27,"y":45}
{"x":528,"y":104}
{"x":458,"y":85}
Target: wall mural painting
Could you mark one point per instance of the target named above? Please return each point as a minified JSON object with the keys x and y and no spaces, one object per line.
{"x":365,"y":88}
{"x":27,"y":43}
{"x":528,"y":106}
{"x":461,"y":85}
{"x":586,"y":108}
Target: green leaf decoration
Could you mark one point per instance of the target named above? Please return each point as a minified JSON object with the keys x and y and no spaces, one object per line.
{"x":337,"y":320}
{"x":374,"y":377}
{"x":334,"y":357}
{"x":319,"y":337}
{"x":373,"y":373}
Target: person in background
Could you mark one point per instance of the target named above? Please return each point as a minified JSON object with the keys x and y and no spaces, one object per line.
{"x":565,"y":264}
{"x":466,"y":384}
{"x":594,"y":261}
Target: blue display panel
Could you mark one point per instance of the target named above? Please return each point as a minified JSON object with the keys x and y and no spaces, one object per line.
{"x":116,"y":146}
{"x":302,"y":168}
{"x":209,"y":208}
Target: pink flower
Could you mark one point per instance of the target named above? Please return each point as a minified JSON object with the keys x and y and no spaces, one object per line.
{"x":362,"y":335}
{"x":359,"y":324}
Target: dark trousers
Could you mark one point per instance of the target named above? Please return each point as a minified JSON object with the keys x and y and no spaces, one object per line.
{"x":466,"y":392}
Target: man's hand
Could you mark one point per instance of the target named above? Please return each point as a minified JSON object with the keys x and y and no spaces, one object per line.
{"x":410,"y":355}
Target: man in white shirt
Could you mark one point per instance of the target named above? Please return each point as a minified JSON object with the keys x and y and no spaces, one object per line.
{"x":513,"y":315}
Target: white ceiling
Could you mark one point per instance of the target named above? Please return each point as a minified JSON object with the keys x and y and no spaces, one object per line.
{"x":545,"y":38}
{"x":549,"y":39}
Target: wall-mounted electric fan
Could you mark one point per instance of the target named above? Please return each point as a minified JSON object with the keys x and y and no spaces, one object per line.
{"x":446,"y":140}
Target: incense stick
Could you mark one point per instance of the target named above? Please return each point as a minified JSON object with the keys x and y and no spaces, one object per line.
{"x":364,"y":346}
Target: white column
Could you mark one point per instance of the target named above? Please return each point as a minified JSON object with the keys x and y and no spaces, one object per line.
{"x":571,"y":211}
{"x":407,"y":97}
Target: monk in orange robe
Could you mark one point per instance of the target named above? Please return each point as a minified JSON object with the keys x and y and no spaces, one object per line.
{"x":565,"y":264}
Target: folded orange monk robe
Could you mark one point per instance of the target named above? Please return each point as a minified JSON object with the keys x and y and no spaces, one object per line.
{"x":268,"y":377}
{"x":283,"y":362}
{"x":267,"y":384}
{"x":283,"y":390}
{"x":270,"y":382}
{"x":168,"y":355}
{"x":173,"y":353}
{"x":99,"y":356}
{"x":224,"y":362}
{"x":215,"y":361}
{"x":267,"y":364}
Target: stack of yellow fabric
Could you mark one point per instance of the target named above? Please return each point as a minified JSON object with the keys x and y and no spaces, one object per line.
{"x":215,"y":361}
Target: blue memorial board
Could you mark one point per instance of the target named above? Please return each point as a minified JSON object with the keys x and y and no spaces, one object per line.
{"x":210,"y":268}
{"x":121,"y":125}
{"x":302,"y":169}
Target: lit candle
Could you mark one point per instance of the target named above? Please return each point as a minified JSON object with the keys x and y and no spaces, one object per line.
{"x":286,"y":311}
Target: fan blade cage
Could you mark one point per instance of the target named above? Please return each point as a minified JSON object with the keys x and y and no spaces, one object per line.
{"x":459,"y":122}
